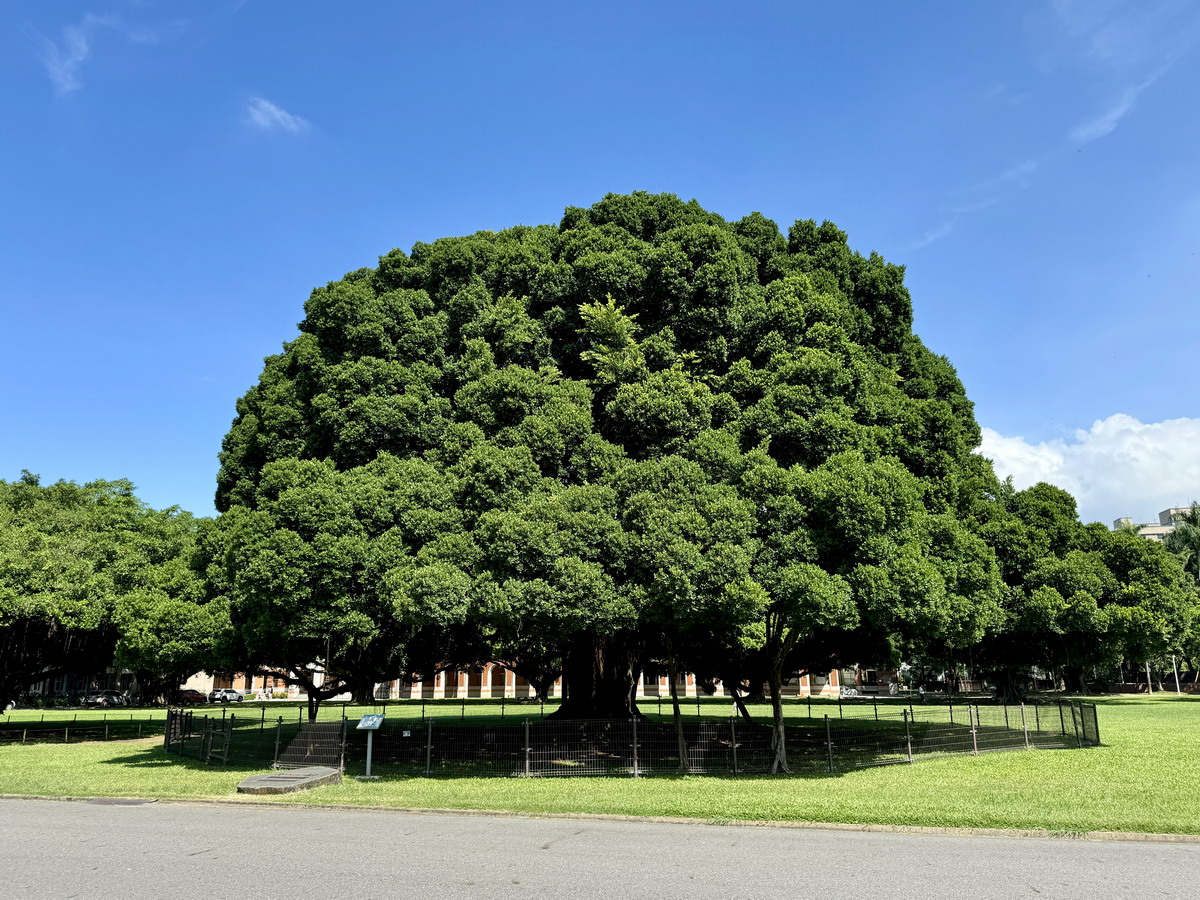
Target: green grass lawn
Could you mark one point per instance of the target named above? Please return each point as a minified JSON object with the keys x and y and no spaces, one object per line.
{"x":1140,"y":780}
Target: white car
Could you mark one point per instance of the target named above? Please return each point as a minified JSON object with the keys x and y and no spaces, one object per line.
{"x":225,"y":695}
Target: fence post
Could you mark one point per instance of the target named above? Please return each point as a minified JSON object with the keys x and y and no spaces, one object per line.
{"x":839,"y":705}
{"x":428,"y":745}
{"x":67,"y":734}
{"x":810,"y":702}
{"x":908,"y":737}
{"x":829,"y":739}
{"x":1075,"y":717}
{"x":1096,"y":723}
{"x":528,"y":748}
{"x":974,"y":728}
{"x":1006,"y":725}
{"x":733,"y":739}
{"x":278,"y":730}
{"x":875,"y":705}
{"x":1061,"y":721}
{"x":23,"y":732}
{"x":345,"y":723}
{"x":635,"y":749}
{"x":1037,"y":718}
{"x":950,"y":701}
{"x":106,"y":731}
{"x":503,"y":700}
{"x":1025,"y":726}
{"x":262,"y":719}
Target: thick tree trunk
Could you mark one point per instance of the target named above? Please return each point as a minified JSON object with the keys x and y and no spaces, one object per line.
{"x":1009,"y":688}
{"x":599,"y":675}
{"x":673,"y":674}
{"x":1075,"y":679}
{"x":364,"y":694}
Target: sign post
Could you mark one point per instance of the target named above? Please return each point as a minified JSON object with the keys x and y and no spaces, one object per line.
{"x":369,"y":724}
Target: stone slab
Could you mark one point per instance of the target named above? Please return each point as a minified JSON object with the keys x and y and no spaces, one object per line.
{"x":288,"y":782}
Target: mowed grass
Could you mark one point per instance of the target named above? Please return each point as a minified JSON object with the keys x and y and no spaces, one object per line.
{"x":1142,"y":779}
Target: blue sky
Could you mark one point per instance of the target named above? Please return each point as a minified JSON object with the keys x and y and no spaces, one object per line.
{"x":177,"y":176}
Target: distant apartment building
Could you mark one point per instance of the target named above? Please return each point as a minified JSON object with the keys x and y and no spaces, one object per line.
{"x":1154,"y":531}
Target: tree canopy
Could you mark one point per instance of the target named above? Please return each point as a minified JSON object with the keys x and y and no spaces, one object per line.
{"x":89,"y":570}
{"x":591,"y":438}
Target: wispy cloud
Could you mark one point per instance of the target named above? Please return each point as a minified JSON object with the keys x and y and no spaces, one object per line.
{"x":1107,"y":121}
{"x":934,"y":234}
{"x":1121,"y":46}
{"x":262,"y":113}
{"x":1121,"y":37}
{"x":63,"y":59}
{"x":1124,"y":46}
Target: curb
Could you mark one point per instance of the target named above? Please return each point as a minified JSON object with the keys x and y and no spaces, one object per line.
{"x":1024,"y":833}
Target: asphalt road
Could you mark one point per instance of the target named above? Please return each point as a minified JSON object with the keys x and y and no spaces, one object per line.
{"x":157,"y":850}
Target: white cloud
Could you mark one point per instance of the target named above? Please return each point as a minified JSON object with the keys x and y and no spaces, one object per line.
{"x":63,"y":60}
{"x":1105,"y":122}
{"x":264,"y":114}
{"x":935,"y":234}
{"x":1118,"y":467}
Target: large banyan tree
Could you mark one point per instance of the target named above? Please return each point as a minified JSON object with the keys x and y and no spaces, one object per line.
{"x":587,"y":446}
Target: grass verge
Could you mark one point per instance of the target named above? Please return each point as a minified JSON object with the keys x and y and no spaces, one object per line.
{"x":1141,"y":780}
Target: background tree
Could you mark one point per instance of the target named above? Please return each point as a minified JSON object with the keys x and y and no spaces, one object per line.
{"x":74,"y":560}
{"x":1077,"y":596}
{"x":1184,"y":541}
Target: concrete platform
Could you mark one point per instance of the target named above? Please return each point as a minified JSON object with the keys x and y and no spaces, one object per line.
{"x":289,"y":782}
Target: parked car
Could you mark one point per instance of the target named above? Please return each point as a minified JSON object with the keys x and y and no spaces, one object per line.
{"x":105,"y":698}
{"x":225,"y":695}
{"x":189,"y":695}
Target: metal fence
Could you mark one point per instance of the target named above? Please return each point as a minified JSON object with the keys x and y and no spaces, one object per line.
{"x":858,"y":735}
{"x":113,"y":727}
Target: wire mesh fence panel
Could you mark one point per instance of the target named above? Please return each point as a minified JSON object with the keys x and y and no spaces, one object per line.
{"x":399,"y":748}
{"x":709,"y":747}
{"x":1089,"y":726}
{"x":755,"y":749}
{"x":74,"y":733}
{"x":311,"y":744}
{"x":868,"y":743}
{"x":591,"y":747}
{"x":472,"y":749}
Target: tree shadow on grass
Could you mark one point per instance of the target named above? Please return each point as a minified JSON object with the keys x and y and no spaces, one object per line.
{"x":157,"y":758}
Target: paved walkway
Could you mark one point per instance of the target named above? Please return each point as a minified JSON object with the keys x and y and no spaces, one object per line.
{"x":54,"y":849}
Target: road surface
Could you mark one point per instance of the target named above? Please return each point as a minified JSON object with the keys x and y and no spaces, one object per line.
{"x":158,"y":850}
